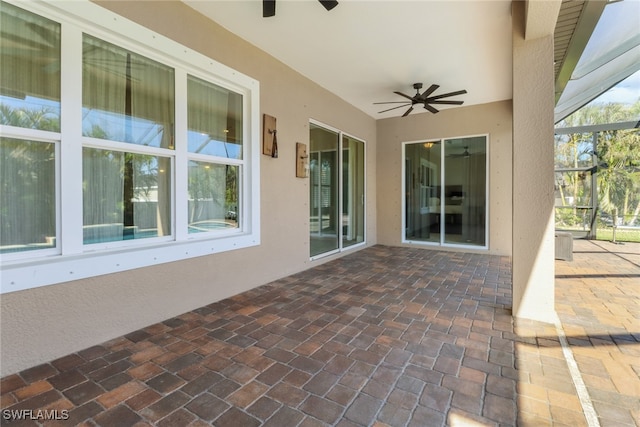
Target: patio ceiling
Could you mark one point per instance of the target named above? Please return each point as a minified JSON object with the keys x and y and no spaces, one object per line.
{"x":364,"y":50}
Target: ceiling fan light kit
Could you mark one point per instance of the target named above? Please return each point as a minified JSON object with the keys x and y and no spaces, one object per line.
{"x":424,"y":98}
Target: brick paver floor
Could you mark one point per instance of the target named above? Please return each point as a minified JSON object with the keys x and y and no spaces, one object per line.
{"x":598,"y":303}
{"x":382,"y":337}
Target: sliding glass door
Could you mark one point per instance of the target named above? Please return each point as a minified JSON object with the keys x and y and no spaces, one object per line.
{"x":352,"y":191}
{"x":323,"y":174}
{"x":423,"y":166}
{"x":336,"y":191}
{"x":446,"y":191}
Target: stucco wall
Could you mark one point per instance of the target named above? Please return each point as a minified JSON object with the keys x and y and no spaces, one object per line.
{"x":493,"y":119}
{"x":533,"y":184}
{"x":44,"y":323}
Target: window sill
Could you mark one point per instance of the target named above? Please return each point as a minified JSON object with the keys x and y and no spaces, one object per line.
{"x":33,"y":273}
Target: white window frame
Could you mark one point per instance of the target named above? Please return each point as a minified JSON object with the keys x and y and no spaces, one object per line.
{"x":403,"y":187}
{"x":71,"y":259}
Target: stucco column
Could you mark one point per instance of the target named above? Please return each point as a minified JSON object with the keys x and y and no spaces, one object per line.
{"x":533,"y":169}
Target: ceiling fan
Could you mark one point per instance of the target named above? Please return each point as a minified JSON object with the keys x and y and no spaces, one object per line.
{"x":269,"y":6}
{"x":423,"y":98}
{"x":465,"y":153}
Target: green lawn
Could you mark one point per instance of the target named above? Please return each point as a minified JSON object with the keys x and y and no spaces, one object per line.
{"x":622,"y":235}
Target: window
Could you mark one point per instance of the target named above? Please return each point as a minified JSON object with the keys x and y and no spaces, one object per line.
{"x":29,"y":100}
{"x":215,"y":151}
{"x":336,"y":190}
{"x":150,"y":153}
{"x":445,"y":188}
{"x":28,"y":195}
{"x":125,"y":98}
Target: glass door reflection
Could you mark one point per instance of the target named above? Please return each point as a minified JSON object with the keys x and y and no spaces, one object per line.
{"x":422,"y":201}
{"x":465,"y":197}
{"x":323,"y":188}
{"x":352,"y":191}
{"x":446,"y":191}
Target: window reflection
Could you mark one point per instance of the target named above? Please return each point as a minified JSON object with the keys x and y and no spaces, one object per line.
{"x":125,"y":96}
{"x":213,"y":197}
{"x":27,"y":195}
{"x":215,"y":120}
{"x":29,"y":70}
{"x":125,"y":196}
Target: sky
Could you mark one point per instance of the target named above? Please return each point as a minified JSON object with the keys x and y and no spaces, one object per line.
{"x":617,"y":32}
{"x":625,"y":92}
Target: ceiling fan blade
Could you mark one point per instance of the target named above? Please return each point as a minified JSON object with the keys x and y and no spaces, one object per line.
{"x":429,"y":91}
{"x":445,"y":95}
{"x":430,"y":108}
{"x":465,"y":153}
{"x":447,"y":102}
{"x":268,"y":8}
{"x":406,"y":113}
{"x":391,"y":102}
{"x":399,"y":106}
{"x":329,"y":4}
{"x":406,"y":96}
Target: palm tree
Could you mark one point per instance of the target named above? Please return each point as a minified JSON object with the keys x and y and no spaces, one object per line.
{"x":618,"y":153}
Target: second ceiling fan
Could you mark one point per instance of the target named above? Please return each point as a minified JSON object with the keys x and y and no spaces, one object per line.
{"x":269,"y":6}
{"x":424,"y":98}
